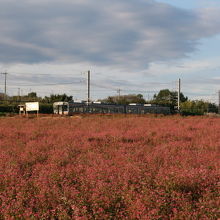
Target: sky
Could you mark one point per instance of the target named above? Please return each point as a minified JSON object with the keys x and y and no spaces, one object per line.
{"x":137,"y":46}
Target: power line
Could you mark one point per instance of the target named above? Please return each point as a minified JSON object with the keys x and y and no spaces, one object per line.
{"x":119,"y":93}
{"x":49,"y":84}
{"x":100,"y":87}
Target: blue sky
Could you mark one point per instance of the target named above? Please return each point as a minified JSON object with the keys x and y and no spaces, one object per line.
{"x":139,"y":46}
{"x":190,"y":4}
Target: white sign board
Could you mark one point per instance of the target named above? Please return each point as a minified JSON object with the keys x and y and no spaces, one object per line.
{"x":32,"y":106}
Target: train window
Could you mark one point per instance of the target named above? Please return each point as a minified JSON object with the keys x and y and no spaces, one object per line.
{"x":65,"y":108}
{"x":60,"y":108}
{"x":55,"y":107}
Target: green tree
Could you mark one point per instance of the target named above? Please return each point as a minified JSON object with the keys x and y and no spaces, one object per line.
{"x":57,"y":97}
{"x":168,"y":98}
{"x":32,"y":95}
{"x":125,"y":99}
{"x":2,"y":96}
{"x":198,"y":107}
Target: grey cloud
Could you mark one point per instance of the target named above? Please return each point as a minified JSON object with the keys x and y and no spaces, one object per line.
{"x":203,"y":81}
{"x":28,"y":79}
{"x":129,"y":33}
{"x":17,"y":54}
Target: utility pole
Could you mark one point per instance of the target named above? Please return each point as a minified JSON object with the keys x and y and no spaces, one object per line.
{"x":88,"y":99}
{"x":119,"y":93}
{"x":179,"y":89}
{"x":19,"y":94}
{"x":5,"y":73}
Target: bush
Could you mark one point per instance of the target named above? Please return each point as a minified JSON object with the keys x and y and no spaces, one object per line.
{"x":109,"y":168}
{"x":46,"y":108}
{"x":12,"y":108}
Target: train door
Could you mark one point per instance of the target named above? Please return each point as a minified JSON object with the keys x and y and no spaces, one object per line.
{"x":60,"y":109}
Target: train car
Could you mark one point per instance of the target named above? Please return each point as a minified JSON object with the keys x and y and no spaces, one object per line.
{"x":97,"y":108}
{"x":61,"y":108}
{"x":71,"y":108}
{"x":142,"y":109}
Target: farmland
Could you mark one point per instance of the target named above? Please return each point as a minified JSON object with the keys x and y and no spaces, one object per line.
{"x":110,"y":168}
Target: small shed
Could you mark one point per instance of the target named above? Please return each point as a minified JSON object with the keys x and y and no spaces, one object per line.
{"x":28,"y":107}
{"x":21,"y":109}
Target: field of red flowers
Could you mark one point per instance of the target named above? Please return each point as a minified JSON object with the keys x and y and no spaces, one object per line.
{"x":110,"y":168}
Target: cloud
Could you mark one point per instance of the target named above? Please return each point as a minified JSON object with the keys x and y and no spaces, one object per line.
{"x":47,"y":78}
{"x":126,"y":44}
{"x":130,"y":34}
{"x":186,"y":68}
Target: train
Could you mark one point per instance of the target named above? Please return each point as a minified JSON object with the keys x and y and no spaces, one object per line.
{"x":71,"y":108}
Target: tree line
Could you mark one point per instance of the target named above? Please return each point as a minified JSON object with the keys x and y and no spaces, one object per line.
{"x":165,"y":97}
{"x":168,"y":98}
{"x":32,"y":96}
{"x":9,"y":104}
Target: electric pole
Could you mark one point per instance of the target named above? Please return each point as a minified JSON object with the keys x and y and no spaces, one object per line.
{"x":148,"y":96}
{"x":179,"y":89}
{"x":88,"y":99}
{"x":119,"y":93}
{"x":5,"y":73}
{"x":19,"y":94}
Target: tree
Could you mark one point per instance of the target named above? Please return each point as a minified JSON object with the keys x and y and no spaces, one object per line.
{"x":125,"y":99}
{"x":198,"y":107}
{"x":168,"y":98}
{"x":32,"y":95}
{"x":2,"y":95}
{"x":56,"y":98}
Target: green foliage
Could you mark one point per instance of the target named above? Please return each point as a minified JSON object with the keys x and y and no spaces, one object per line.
{"x":2,"y":96}
{"x":56,"y":97}
{"x":12,"y":108}
{"x":125,"y":99}
{"x":164,"y":98}
{"x":168,"y":98}
{"x":32,"y":95}
{"x":46,"y":103}
{"x":46,"y":108}
{"x":198,"y":107}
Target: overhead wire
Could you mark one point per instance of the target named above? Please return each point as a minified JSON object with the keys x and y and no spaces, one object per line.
{"x":100,"y":88}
